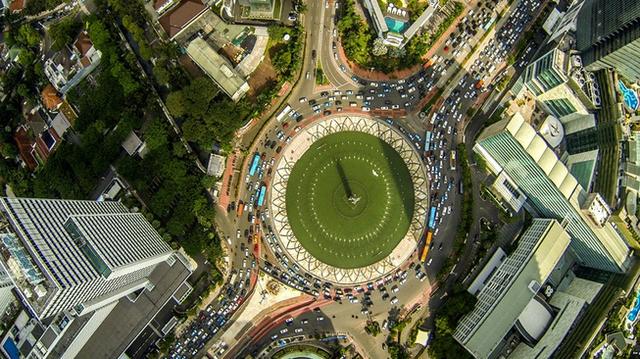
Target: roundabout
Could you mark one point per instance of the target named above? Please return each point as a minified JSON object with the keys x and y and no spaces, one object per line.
{"x":349,"y":199}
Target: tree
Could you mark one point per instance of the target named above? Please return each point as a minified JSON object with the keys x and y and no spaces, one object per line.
{"x":156,"y":134}
{"x":8,"y":150}
{"x":63,"y":32}
{"x":28,"y":36}
{"x":177,"y":104}
{"x":379,"y":48}
{"x":161,"y":73}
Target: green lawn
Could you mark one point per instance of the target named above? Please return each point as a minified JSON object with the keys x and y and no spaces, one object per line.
{"x":350,"y":199}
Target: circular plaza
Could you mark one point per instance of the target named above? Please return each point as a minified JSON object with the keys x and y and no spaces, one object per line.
{"x":349,"y":199}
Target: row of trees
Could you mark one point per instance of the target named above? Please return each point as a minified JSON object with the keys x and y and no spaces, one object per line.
{"x":466,"y":213}
{"x":458,"y":303}
{"x":208,"y":116}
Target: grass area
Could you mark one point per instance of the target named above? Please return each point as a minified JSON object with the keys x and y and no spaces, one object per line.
{"x":427,"y":107}
{"x":321,"y":79}
{"x":327,"y":223}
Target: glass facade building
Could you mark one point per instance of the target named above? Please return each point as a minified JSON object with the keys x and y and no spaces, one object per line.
{"x":608,"y":36}
{"x":545,"y":73}
{"x":514,"y":147}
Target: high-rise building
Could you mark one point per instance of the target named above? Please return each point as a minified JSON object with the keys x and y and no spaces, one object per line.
{"x":76,"y":256}
{"x":512,"y":287}
{"x":528,"y":301}
{"x":608,"y":36}
{"x":512,"y":146}
{"x":553,"y":79}
{"x":6,"y":287}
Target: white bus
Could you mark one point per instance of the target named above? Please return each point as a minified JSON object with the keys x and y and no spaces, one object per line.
{"x":283,"y":114}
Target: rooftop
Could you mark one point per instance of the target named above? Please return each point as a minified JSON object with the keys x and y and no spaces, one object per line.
{"x":218,"y":68}
{"x":180,"y":16}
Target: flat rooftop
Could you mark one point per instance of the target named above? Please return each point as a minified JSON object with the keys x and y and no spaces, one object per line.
{"x":218,"y":68}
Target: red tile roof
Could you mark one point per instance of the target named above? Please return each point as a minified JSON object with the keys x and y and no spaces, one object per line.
{"x":83,"y":43}
{"x":16,"y":5}
{"x":180,"y":16}
{"x":25,"y":147}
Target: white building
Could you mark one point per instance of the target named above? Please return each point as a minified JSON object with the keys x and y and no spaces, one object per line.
{"x":77,"y":256}
{"x":91,"y":276}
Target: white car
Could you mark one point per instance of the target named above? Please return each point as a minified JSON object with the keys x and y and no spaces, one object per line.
{"x":429,"y":261}
{"x":298,"y":330}
{"x":284,"y":330}
{"x":394,"y":300}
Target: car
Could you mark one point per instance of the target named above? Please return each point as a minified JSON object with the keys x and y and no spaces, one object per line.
{"x":326,"y":112}
{"x":302,"y":99}
{"x":319,"y":319}
{"x":429,"y":261}
{"x":440,"y":246}
{"x":274,"y":337}
{"x":304,"y":321}
{"x":395,"y":106}
{"x":395,"y":289}
{"x":284,"y":330}
{"x":289,"y":321}
{"x":365,"y":109}
{"x":298,"y":330}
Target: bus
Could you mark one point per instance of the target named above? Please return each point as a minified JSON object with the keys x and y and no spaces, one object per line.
{"x":452,"y":160}
{"x":432,"y":218}
{"x":427,"y":141}
{"x":263,"y":191}
{"x":240,"y":209}
{"x":283,"y":114}
{"x":254,"y":164}
{"x":427,"y":244}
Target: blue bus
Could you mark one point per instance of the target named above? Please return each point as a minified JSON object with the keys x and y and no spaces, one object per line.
{"x":263,"y":191}
{"x":254,"y":164}
{"x":432,"y":218}
{"x":427,"y":140}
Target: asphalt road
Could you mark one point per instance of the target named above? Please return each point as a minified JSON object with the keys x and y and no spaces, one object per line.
{"x":462,"y":95}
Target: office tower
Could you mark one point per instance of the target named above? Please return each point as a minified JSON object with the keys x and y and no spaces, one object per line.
{"x":608,"y":36}
{"x":560,"y":85}
{"x":76,"y":256}
{"x":511,"y":287}
{"x":514,"y":148}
